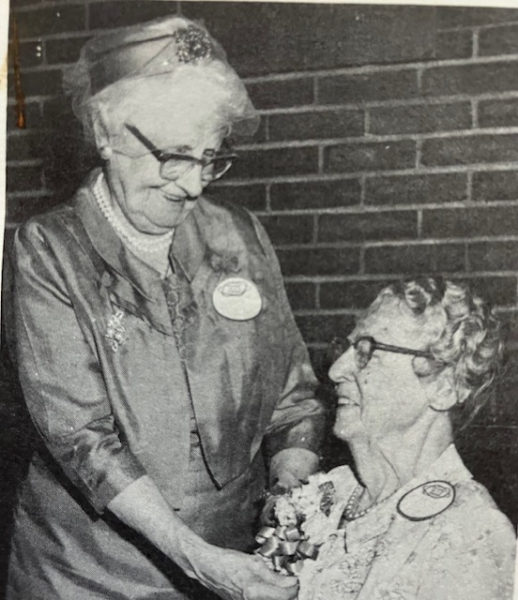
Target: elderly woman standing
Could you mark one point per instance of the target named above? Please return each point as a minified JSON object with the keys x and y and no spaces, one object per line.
{"x":156,"y":348}
{"x":411,"y":523}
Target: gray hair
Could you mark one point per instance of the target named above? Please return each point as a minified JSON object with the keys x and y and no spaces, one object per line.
{"x":465,"y":334}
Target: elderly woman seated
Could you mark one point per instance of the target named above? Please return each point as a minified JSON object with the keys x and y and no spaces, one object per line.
{"x":411,"y":523}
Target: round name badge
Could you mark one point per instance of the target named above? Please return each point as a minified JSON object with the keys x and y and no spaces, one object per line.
{"x":237,"y":299}
{"x":427,"y":500}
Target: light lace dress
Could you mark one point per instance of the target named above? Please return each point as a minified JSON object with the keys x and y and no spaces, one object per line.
{"x":464,"y":553}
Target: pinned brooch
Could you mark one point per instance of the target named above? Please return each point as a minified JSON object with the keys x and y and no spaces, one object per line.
{"x":225,"y":262}
{"x":116,"y":332}
{"x":193,"y":44}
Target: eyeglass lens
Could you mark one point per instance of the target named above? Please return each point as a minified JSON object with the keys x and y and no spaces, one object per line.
{"x":175,"y":168}
{"x":363,"y":347}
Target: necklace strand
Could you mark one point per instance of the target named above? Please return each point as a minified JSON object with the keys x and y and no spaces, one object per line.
{"x":351,"y":512}
{"x":159,"y":244}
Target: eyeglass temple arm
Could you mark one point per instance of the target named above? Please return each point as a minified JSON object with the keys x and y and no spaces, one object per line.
{"x":143,"y":139}
{"x":159,"y":153}
{"x":400,"y":350}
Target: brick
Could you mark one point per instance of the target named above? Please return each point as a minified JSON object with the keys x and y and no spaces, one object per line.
{"x":416,"y":189}
{"x":469,"y":223}
{"x":23,"y":178}
{"x":320,"y":124}
{"x":494,"y":77}
{"x":281,"y":94}
{"x":493,"y":256}
{"x":350,"y":294}
{"x":498,"y":291}
{"x":495,"y":185}
{"x":420,"y":118}
{"x":25,"y":146}
{"x":78,"y":158}
{"x":367,"y":226}
{"x":315,"y":194}
{"x":489,"y":453}
{"x":117,"y":14}
{"x":15,"y":4}
{"x":261,"y":134}
{"x":21,"y":209}
{"x":320,"y":35}
{"x":323,"y":328}
{"x":64,"y":50}
{"x":498,"y":40}
{"x":272,"y":163}
{"x":369,"y":156}
{"x":382,"y":85}
{"x":30,"y":54}
{"x":421,"y":259}
{"x":32,"y":117}
{"x":510,"y":325}
{"x":498,"y":113}
{"x":319,"y":261}
{"x":454,"y":44}
{"x":321,"y":360}
{"x":39,"y":83}
{"x":289,"y":229}
{"x":252,"y":197}
{"x":470,"y":150}
{"x":301,"y":295}
{"x":57,"y":114}
{"x":51,"y":20}
{"x":449,"y":17}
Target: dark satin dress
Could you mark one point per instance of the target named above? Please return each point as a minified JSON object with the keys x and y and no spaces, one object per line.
{"x":123,"y":380}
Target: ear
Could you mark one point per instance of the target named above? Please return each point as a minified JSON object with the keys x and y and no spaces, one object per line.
{"x":102,"y":133}
{"x":441,"y":390}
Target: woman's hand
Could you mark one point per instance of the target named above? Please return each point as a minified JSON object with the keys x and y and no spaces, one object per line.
{"x":237,"y":576}
{"x":291,"y":467}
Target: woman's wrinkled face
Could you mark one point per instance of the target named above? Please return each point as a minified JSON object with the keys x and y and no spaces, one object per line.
{"x":150,"y":202}
{"x":385,"y":397}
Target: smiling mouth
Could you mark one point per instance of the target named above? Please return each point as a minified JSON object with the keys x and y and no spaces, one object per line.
{"x":346,"y":402}
{"x":173,"y":198}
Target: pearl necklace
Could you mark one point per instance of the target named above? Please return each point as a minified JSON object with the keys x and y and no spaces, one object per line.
{"x":351,"y":511}
{"x":140,"y":242}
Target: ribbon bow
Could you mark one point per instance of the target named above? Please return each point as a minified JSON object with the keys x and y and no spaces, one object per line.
{"x":285,"y":547}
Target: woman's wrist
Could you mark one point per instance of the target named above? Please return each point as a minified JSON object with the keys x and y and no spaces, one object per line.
{"x":190,"y":552}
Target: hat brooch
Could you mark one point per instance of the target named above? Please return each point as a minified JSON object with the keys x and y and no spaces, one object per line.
{"x":192,"y":44}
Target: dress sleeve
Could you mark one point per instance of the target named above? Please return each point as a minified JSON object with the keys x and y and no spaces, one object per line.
{"x":61,"y":378}
{"x":472,"y":562}
{"x":298,"y":420}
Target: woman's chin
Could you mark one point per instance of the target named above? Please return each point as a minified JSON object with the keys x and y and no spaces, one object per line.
{"x":347,"y":422}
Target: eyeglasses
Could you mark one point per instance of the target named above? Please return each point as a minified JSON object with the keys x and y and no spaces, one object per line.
{"x":174,"y":165}
{"x":365,"y":347}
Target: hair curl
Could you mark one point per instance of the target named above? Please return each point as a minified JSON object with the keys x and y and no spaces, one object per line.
{"x":465,"y":334}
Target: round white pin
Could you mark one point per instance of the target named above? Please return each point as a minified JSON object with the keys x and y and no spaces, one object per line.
{"x":237,"y":299}
{"x":426,"y":500}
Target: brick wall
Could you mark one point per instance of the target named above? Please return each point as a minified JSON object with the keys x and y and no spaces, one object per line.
{"x":388,"y":147}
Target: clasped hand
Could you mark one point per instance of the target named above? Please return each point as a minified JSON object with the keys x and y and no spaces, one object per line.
{"x":237,"y":576}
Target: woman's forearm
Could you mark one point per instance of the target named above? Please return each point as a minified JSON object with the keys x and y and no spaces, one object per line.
{"x":142,"y":507}
{"x":231,"y":575}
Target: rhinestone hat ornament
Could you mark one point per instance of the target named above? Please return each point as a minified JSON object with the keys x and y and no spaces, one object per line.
{"x":192,"y":44}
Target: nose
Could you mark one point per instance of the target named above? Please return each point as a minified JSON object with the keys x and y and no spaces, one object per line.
{"x":190,"y":182}
{"x":343,"y":367}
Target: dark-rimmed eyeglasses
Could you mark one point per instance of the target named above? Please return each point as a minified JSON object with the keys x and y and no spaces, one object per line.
{"x":174,"y":165}
{"x":365,"y":346}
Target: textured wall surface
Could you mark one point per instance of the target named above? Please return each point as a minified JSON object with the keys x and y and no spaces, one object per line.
{"x":388,"y":147}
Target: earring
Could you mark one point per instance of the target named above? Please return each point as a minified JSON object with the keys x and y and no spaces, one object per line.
{"x":105,"y":152}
